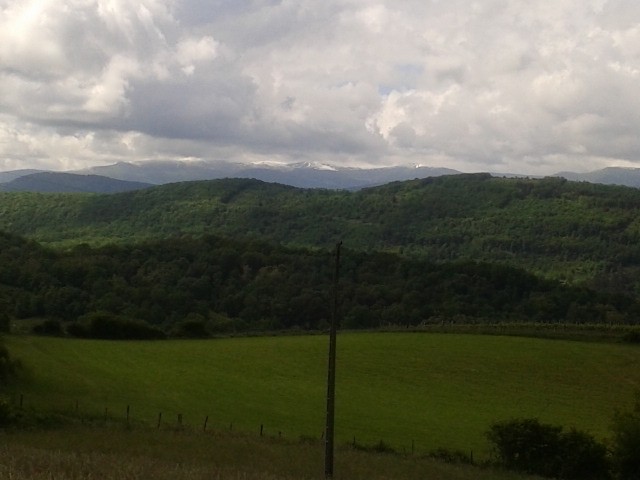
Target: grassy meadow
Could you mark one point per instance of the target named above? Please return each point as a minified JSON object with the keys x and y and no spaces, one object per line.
{"x":435,"y":390}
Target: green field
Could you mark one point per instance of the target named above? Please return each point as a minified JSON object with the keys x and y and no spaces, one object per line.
{"x":437,"y":390}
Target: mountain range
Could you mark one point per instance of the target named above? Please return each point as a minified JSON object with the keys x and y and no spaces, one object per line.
{"x":124,"y":176}
{"x":60,"y":182}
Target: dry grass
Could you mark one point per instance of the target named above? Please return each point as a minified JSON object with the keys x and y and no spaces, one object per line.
{"x":27,"y":463}
{"x":116,"y":453}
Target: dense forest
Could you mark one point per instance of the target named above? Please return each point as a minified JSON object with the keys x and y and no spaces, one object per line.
{"x":575,"y":232}
{"x":190,"y":286}
{"x":197,"y":258}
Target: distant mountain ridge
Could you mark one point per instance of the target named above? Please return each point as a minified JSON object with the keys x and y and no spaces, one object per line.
{"x":628,"y":177}
{"x":301,"y":175}
{"x":58,"y":182}
{"x":10,"y":175}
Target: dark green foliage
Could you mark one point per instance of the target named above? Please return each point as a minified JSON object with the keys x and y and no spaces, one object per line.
{"x":220,"y":324}
{"x":48,"y":327}
{"x":5,"y":324}
{"x":9,"y":367}
{"x":583,"y":457}
{"x":7,"y":413}
{"x":231,"y":286}
{"x":577,"y":232}
{"x":194,"y":326}
{"x":107,"y":326}
{"x":495,"y":230}
{"x":631,"y":337}
{"x":528,"y":446}
{"x":626,"y":443}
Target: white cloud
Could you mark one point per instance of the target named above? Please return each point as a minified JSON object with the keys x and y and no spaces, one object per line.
{"x":533,"y":87}
{"x":193,"y":51}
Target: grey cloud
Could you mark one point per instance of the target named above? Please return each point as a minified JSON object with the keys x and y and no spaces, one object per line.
{"x":494,"y":84}
{"x":196,"y":107}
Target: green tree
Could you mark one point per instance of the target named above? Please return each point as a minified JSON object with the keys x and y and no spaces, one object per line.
{"x":583,"y":457}
{"x":526,"y":445}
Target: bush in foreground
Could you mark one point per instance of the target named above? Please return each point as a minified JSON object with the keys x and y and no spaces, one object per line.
{"x":626,"y":443}
{"x":9,"y":367}
{"x":528,"y":446}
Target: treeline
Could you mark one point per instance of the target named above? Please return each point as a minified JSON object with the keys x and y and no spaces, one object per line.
{"x":192,"y":286}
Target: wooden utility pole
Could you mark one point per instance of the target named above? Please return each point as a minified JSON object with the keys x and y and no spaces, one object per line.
{"x":331,"y":376}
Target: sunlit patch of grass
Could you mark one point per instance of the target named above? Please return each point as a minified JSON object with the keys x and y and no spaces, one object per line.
{"x":427,"y":390}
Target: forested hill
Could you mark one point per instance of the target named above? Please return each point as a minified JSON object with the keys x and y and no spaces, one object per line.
{"x":200,"y":286}
{"x":564,"y":230}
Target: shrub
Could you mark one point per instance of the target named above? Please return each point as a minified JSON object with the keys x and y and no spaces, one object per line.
{"x":48,"y":327}
{"x":219,"y":323}
{"x":107,"y":326}
{"x":631,"y":337}
{"x":78,"y":330}
{"x":9,"y":367}
{"x":583,"y":457}
{"x":626,"y":443}
{"x":194,"y":326}
{"x":528,"y":446}
{"x":191,"y":329}
{"x":6,"y":413}
{"x":5,"y":324}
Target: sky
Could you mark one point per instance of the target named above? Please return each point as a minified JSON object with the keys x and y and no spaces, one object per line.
{"x":512,"y":86}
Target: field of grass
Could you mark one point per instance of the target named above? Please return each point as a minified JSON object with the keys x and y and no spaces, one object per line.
{"x":435,"y":390}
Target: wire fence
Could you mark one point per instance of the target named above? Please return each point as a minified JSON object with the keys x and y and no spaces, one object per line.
{"x":127,"y":417}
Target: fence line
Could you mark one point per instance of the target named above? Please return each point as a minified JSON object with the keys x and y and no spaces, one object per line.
{"x":381,"y":446}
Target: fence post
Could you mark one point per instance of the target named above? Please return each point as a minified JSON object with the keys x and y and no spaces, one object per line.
{"x":128,"y":411}
{"x":159,"y":419}
{"x":204,"y":427}
{"x":261,"y":429}
{"x":180,"y":419}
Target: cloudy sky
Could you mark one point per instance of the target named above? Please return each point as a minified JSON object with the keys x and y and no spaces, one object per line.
{"x":526,"y":86}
